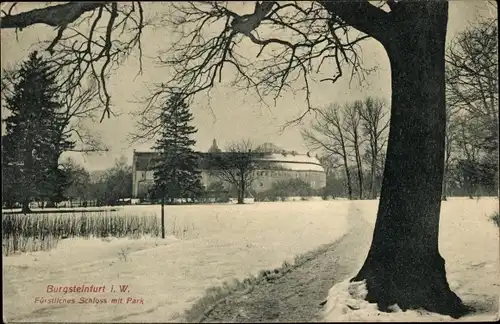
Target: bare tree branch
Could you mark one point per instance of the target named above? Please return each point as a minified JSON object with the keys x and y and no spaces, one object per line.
{"x":305,"y":38}
{"x":92,"y":40}
{"x":327,"y":133}
{"x":472,"y":75}
{"x":236,"y":165}
{"x":375,"y":124}
{"x":55,"y":16}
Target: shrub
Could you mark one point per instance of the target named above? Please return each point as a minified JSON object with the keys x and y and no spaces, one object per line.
{"x":495,"y":218}
{"x":217,"y":191}
{"x":290,"y":188}
{"x":34,"y":232}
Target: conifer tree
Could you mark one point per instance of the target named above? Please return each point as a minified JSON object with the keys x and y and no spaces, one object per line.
{"x":176,"y":173}
{"x":34,"y":138}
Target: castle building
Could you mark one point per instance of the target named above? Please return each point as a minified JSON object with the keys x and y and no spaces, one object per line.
{"x":277,"y":165}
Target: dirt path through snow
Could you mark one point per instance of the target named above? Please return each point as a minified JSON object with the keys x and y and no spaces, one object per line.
{"x":296,"y":296}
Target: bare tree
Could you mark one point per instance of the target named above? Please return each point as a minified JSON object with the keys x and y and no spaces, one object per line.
{"x":235,"y":165}
{"x":472,"y":91}
{"x":353,"y":135}
{"x":375,"y":123}
{"x":330,"y":163}
{"x":472,"y":73}
{"x":79,"y":107}
{"x":468,"y":143}
{"x":327,"y":133}
{"x":79,"y":182}
{"x":404,"y":265}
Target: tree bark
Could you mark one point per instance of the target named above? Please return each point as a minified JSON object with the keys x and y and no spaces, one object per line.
{"x":404,"y":266}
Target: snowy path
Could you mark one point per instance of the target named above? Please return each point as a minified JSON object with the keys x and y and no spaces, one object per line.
{"x":296,"y":296}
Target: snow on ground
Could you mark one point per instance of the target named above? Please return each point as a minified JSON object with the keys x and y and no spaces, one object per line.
{"x":214,"y":243}
{"x":469,"y":243}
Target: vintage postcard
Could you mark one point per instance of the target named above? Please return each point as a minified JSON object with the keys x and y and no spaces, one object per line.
{"x":250,"y":161}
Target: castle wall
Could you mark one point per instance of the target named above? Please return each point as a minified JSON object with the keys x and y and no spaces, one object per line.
{"x":309,"y":172}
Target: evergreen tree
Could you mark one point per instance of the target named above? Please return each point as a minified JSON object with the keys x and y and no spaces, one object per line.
{"x":35,"y":135}
{"x":176,"y":173}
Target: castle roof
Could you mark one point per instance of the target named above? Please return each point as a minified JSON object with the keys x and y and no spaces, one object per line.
{"x":144,"y":161}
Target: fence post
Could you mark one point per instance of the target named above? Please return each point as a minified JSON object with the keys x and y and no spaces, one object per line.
{"x":162,"y":218}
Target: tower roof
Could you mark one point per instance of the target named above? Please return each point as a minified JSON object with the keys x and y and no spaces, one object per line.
{"x":214,"y":148}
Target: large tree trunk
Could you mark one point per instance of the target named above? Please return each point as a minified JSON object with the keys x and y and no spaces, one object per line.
{"x":404,"y":265}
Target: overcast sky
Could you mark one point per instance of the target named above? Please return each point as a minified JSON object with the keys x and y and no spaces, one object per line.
{"x":234,"y":115}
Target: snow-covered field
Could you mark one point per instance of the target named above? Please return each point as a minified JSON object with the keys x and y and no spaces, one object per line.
{"x":469,"y":243}
{"x":214,"y":244}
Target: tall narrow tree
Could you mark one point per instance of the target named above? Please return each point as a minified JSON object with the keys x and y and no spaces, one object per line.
{"x":472,"y":93}
{"x":327,"y":133}
{"x":353,"y":135}
{"x":176,"y":172}
{"x":32,"y":145}
{"x":374,"y":125}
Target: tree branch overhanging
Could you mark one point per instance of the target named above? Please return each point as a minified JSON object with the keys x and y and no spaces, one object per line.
{"x":92,"y":39}
{"x":306,"y":43}
{"x":316,"y":36}
{"x":361,"y":15}
{"x":55,"y":16}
